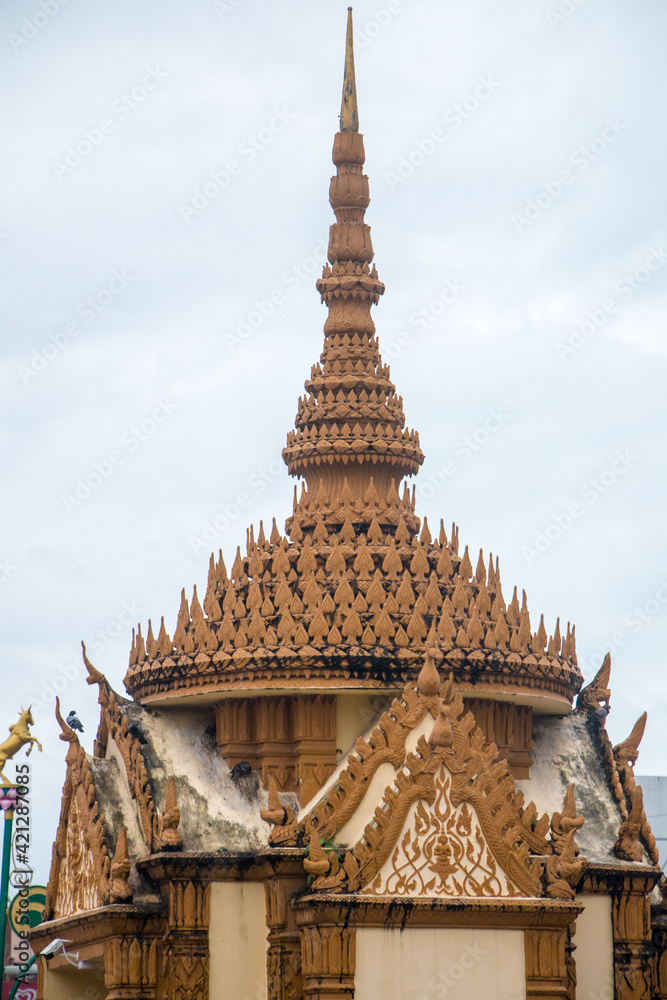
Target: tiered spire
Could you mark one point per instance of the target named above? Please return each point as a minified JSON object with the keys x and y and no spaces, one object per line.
{"x":349,"y":113}
{"x":350,"y":433}
{"x":358,"y":588}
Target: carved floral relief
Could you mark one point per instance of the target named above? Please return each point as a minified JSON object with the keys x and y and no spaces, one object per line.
{"x":442,"y":852}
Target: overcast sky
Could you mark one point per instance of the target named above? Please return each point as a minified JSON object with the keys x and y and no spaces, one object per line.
{"x":166,"y":177}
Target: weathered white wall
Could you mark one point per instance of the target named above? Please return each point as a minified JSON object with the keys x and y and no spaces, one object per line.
{"x":237,"y":941}
{"x":594,"y":953}
{"x":430,"y":963}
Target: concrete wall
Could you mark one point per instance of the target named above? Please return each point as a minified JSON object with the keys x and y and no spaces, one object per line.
{"x":237,"y":941}
{"x":74,"y":984}
{"x":430,"y":963}
{"x":594,"y":953}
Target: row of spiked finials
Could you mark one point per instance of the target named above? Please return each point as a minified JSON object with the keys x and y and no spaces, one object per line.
{"x":352,"y":354}
{"x":378,"y":518}
{"x":377,"y":400}
{"x":334,"y":588}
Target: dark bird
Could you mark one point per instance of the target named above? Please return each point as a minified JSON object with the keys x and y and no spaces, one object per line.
{"x":210,"y":729}
{"x":240,"y":770}
{"x":135,"y":731}
{"x":74,"y":722}
{"x":602,"y":712}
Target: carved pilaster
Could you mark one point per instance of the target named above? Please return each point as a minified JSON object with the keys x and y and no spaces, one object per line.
{"x":547,"y":975}
{"x":314,"y":743}
{"x":328,"y":958}
{"x":510,"y":727}
{"x":571,"y":964}
{"x":660,"y":964}
{"x":187,"y":952}
{"x":274,"y":741}
{"x":292,"y":740}
{"x":284,"y":976}
{"x":130,"y":968}
{"x":633,"y":953}
{"x":234,"y":730}
{"x":632,"y":983}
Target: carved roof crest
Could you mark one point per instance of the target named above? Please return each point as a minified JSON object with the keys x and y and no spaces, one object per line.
{"x":449,"y":822}
{"x":83,"y":875}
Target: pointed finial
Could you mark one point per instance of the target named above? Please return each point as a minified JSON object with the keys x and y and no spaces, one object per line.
{"x":595,"y":696}
{"x":275,"y":813}
{"x":428,"y":682}
{"x":94,"y":676}
{"x":67,"y":735}
{"x":627,"y":752}
{"x":349,"y":114}
{"x":170,"y":837}
{"x":316,"y":862}
{"x":120,"y":889}
{"x":442,"y":735}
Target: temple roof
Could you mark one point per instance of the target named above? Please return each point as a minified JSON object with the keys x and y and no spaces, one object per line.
{"x":333,"y":610}
{"x":348,"y":597}
{"x":156,"y":784}
{"x":423,"y":775}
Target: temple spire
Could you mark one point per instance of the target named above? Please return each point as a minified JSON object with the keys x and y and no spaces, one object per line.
{"x":350,"y":442}
{"x":349,"y":113}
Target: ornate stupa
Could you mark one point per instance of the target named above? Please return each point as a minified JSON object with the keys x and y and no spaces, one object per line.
{"x":335,"y":747}
{"x":347,"y":600}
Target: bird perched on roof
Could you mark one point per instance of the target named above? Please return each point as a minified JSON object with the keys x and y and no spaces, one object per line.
{"x":240,"y":770}
{"x":74,"y":722}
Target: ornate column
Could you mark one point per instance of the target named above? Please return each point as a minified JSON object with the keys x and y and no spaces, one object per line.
{"x":41,"y":970}
{"x":285,"y":981}
{"x":328,"y":959}
{"x":130,"y":968}
{"x":660,"y":965}
{"x":546,"y":964}
{"x":314,"y":721}
{"x":187,"y":955}
{"x":633,"y":953}
{"x":292,"y":739}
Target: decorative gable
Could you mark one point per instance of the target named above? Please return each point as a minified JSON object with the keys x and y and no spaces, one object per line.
{"x":77,"y":885}
{"x":427,"y":808}
{"x":442,"y":851}
{"x":83,"y":875}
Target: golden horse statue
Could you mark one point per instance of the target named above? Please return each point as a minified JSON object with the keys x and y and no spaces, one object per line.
{"x":20,"y":735}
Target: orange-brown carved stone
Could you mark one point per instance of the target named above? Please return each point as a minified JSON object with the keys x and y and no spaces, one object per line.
{"x":347,"y":599}
{"x":509,"y":727}
{"x":290,"y":740}
{"x":351,"y":423}
{"x":546,"y":968}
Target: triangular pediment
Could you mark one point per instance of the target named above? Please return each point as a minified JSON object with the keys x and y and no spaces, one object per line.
{"x":422,"y":807}
{"x":442,"y":851}
{"x":77,"y":887}
{"x":81,"y":867}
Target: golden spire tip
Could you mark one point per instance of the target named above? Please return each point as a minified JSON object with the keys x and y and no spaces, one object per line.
{"x":349,"y":114}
